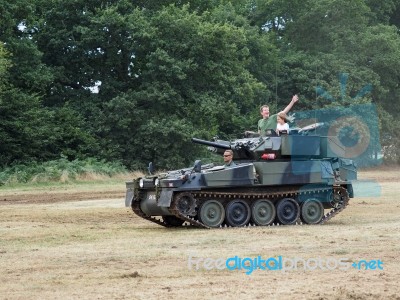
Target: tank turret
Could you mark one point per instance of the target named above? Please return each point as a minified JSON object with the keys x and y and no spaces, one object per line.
{"x":295,"y":146}
{"x":287,"y":179}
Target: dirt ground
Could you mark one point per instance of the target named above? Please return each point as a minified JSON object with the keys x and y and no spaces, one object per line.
{"x":82,"y":243}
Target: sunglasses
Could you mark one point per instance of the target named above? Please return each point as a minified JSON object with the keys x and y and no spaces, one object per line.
{"x":225,"y":155}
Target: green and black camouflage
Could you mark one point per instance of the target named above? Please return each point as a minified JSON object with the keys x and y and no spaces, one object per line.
{"x":287,"y":179}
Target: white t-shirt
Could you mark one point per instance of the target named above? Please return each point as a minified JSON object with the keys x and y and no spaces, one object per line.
{"x":280,"y":127}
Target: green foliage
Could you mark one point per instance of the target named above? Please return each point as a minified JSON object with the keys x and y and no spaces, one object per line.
{"x":4,"y":66}
{"x":193,"y":68}
{"x":29,"y":131}
{"x":4,"y":61}
{"x":58,"y":170}
{"x":168,"y":70}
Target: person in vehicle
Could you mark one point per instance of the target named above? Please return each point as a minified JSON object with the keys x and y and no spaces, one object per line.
{"x":269,"y":122}
{"x":228,"y":159}
{"x":282,"y":126}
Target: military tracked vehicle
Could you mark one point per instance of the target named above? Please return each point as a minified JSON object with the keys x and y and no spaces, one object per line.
{"x":288,"y":179}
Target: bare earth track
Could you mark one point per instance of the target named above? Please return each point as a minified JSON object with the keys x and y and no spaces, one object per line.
{"x":48,"y":197}
{"x":82,"y":243}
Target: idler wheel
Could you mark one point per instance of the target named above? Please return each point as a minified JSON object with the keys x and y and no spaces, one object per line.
{"x":287,"y":211}
{"x":237,"y":213}
{"x":312,"y":211}
{"x":263,"y":212}
{"x":337,"y":198}
{"x":173,"y":221}
{"x":212,"y":213}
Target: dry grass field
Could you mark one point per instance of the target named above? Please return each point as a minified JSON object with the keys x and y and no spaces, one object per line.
{"x":82,"y":243}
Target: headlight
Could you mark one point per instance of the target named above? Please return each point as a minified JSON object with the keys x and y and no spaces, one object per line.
{"x":156,"y":182}
{"x":147,"y":183}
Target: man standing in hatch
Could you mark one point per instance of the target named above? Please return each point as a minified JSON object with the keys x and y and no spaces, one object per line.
{"x":269,"y":122}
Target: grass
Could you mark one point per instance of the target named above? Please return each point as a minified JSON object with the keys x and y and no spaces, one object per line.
{"x":100,"y":250}
{"x":62,"y":171}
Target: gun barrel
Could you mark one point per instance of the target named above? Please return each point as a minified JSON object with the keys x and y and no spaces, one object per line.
{"x":212,"y":144}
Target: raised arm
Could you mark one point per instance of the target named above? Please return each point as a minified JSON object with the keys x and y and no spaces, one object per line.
{"x":295,"y":98}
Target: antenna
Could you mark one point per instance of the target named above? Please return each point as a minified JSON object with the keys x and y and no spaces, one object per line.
{"x":276,"y":86}
{"x":316,"y":97}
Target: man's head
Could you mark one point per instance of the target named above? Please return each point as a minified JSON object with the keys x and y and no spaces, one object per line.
{"x":228,"y":156}
{"x":264,"y":111}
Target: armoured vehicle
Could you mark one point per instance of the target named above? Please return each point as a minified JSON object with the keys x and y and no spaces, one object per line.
{"x":288,"y":179}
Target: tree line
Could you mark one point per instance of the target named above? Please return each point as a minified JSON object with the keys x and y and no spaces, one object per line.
{"x":133,"y":81}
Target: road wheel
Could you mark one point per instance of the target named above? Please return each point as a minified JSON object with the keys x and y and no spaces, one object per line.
{"x":287,"y":211}
{"x":237,"y":213}
{"x":312,"y":211}
{"x":212,"y":213}
{"x":263,"y":212}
